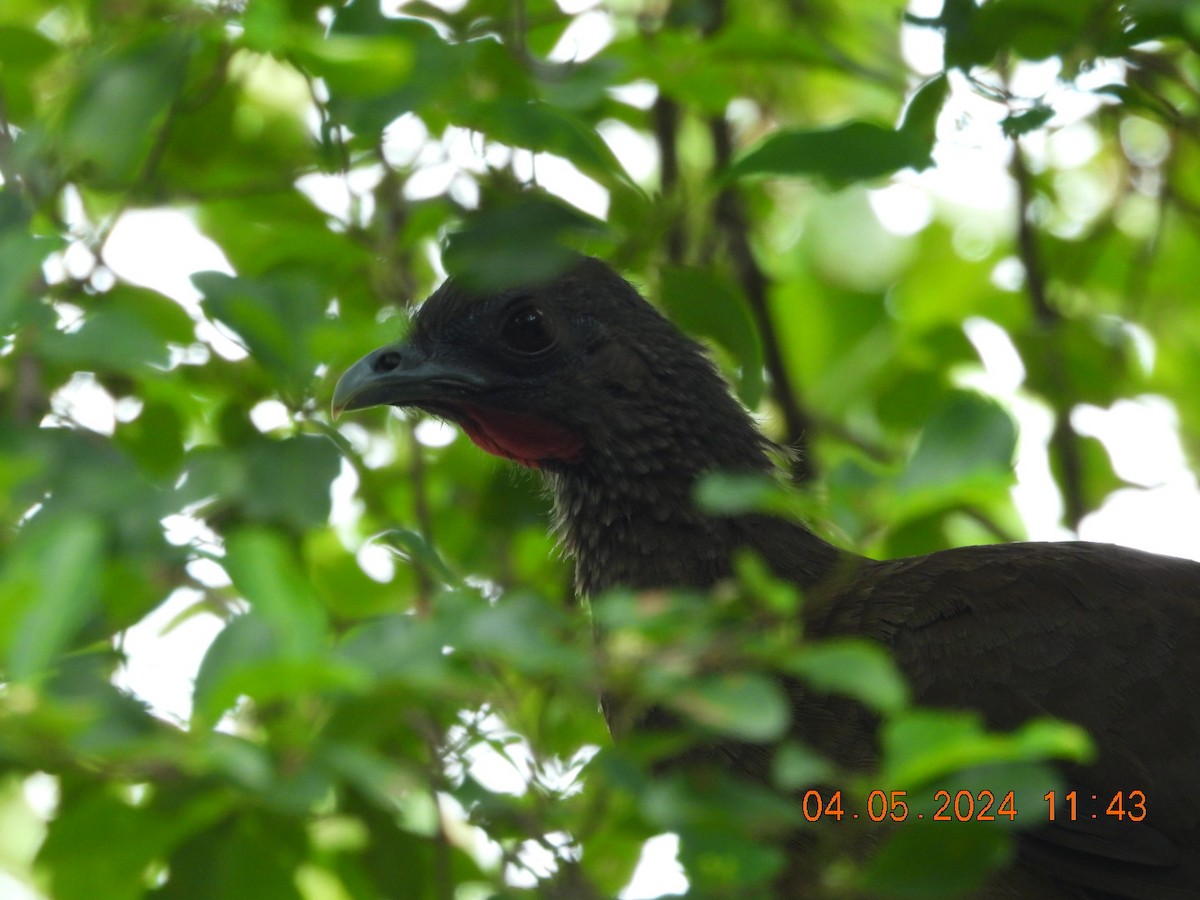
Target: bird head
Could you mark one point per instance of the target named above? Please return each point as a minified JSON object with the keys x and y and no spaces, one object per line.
{"x":561,"y":374}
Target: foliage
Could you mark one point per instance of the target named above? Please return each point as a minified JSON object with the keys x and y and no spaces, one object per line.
{"x":413,"y":714}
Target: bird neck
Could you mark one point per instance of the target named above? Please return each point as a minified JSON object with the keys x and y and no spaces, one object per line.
{"x":629,"y":520}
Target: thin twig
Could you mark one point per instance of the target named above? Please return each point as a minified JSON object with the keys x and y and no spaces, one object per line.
{"x":989,"y":524}
{"x":1064,"y":442}
{"x":6,"y":140}
{"x":518,"y":32}
{"x":835,"y":429}
{"x":1139,"y":271}
{"x":1035,"y":276}
{"x":665,"y":115}
{"x":416,"y":471}
{"x":733,"y":224}
{"x":435,"y":740}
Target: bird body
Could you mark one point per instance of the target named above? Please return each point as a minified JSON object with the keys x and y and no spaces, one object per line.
{"x":581,"y":378}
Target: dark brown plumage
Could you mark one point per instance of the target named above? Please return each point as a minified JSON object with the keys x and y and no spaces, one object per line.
{"x":584,"y":380}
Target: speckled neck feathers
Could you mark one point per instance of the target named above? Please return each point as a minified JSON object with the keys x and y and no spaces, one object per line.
{"x":626,"y":513}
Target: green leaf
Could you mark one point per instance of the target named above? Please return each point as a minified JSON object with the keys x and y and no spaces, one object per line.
{"x":155,"y":438}
{"x":245,"y":641}
{"x":411,"y":546}
{"x":358,"y":65}
{"x":92,"y":477}
{"x":925,"y":863}
{"x":1087,"y":359}
{"x":274,"y":315}
{"x":345,"y":589}
{"x":1136,"y":98}
{"x":843,"y":154}
{"x":780,"y":596}
{"x":112,"y":122}
{"x":977,"y":34}
{"x":288,"y":481}
{"x":726,"y":862}
{"x":252,"y":855}
{"x":21,"y":258}
{"x":855,"y":668}
{"x":921,"y":115}
{"x":796,"y":768}
{"x":124,"y":842}
{"x":705,"y":303}
{"x":262,"y":234}
{"x":748,"y":706}
{"x":518,"y":629}
{"x":523,"y":241}
{"x":852,"y":151}
{"x":1027,"y":120}
{"x":48,"y":588}
{"x":248,"y":659}
{"x":386,"y":781}
{"x":736,"y":493}
{"x":921,"y":746}
{"x":714,"y":805}
{"x":966,"y":447}
{"x":447,"y":73}
{"x":540,"y":127}
{"x":1155,"y":19}
{"x":732,"y":494}
{"x":267,"y":573}
{"x":282,"y":482}
{"x":1094,"y":469}
{"x":400,"y":648}
{"x":127,"y":330}
{"x":965,"y":43}
{"x":25,"y":49}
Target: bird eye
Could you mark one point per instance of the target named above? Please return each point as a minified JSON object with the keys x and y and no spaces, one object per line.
{"x":526,"y":331}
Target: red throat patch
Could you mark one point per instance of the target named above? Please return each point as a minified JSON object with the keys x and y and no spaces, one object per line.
{"x":523,"y":438}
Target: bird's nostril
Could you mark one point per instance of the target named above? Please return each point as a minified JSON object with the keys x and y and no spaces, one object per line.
{"x":387,"y":362}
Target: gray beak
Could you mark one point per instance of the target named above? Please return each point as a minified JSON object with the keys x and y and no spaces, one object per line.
{"x":399,"y":375}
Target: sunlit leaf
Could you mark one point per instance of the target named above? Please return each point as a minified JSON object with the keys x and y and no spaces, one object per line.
{"x":923,"y":745}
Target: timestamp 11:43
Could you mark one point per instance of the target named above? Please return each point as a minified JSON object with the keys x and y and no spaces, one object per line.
{"x":1122,"y":805}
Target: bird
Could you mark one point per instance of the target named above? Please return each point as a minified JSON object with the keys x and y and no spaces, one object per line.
{"x":582,"y":379}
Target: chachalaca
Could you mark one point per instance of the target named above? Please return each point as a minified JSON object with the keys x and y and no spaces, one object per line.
{"x":582,"y":379}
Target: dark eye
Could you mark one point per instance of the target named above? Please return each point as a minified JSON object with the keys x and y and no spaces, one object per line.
{"x":526,"y":331}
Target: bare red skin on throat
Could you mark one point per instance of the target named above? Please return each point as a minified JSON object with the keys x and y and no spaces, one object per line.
{"x":523,"y":438}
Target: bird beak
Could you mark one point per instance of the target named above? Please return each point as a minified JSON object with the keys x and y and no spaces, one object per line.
{"x":400,"y":375}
